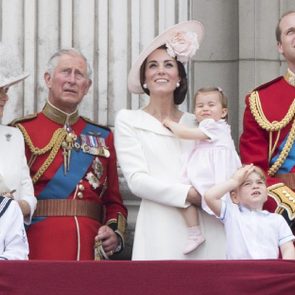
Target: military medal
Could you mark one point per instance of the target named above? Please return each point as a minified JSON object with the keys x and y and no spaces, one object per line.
{"x":94,"y":145}
{"x":68,"y":145}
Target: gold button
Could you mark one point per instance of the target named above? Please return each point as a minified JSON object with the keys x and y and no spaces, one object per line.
{"x":80,"y":195}
{"x":81,"y":187}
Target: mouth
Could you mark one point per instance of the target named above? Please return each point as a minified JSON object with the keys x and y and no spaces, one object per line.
{"x":256,"y":194}
{"x":70,"y":91}
{"x":161,"y":81}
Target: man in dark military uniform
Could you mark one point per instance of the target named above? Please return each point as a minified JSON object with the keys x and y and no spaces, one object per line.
{"x":73,"y":166}
{"x":269,"y":127}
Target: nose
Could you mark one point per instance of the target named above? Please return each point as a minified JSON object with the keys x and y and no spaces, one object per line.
{"x":71,"y":77}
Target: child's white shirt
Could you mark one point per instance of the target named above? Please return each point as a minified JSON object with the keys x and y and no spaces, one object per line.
{"x":253,"y":234}
{"x":13,"y":238}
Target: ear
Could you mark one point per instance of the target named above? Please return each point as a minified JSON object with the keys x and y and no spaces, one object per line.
{"x":224,"y":112}
{"x":234,"y":197}
{"x":280,"y":48}
{"x":88,"y":86}
{"x":47,"y":79}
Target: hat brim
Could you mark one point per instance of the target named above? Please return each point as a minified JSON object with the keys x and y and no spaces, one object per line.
{"x":13,"y":80}
{"x":134,"y":85}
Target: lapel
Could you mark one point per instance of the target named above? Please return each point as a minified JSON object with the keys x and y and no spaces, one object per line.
{"x":144,"y":121}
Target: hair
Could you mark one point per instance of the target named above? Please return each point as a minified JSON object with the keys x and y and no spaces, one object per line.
{"x":222,"y":96}
{"x":179,"y":92}
{"x":278,"y":29}
{"x":260,"y":172}
{"x":53,"y":60}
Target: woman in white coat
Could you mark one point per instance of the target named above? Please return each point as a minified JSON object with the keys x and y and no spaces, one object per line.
{"x":15,"y":180}
{"x":150,"y":156}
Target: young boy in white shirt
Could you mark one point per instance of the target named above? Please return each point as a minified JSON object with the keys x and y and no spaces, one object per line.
{"x":251,"y":233}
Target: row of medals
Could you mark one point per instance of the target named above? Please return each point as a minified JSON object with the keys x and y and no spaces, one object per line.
{"x":90,"y":144}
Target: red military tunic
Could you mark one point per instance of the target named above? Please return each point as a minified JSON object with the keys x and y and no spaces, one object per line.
{"x":90,"y":178}
{"x":266,"y":129}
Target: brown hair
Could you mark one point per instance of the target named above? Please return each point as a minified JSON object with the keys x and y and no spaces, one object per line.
{"x":179,"y":92}
{"x":223,"y":97}
{"x":260,"y":172}
{"x":278,"y":29}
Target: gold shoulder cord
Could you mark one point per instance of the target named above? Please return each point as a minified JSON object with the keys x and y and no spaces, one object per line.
{"x":53,"y":146}
{"x":256,"y":110}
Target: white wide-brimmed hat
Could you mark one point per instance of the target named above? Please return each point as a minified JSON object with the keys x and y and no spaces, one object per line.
{"x":182,"y":41}
{"x":10,"y":67}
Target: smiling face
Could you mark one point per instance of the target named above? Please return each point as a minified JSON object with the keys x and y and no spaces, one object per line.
{"x":68,"y":83}
{"x":161,"y":73}
{"x":286,"y":45}
{"x":252,"y":193}
{"x":209,"y":105}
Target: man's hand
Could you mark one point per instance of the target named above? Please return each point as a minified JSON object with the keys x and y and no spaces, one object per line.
{"x":109,"y":239}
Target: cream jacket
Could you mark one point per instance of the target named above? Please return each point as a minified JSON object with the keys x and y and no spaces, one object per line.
{"x":150,"y":157}
{"x":13,"y":166}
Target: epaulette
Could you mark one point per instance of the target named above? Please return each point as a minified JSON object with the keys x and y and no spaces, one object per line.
{"x":94,"y":123}
{"x":23,"y":119}
{"x":262,"y":86}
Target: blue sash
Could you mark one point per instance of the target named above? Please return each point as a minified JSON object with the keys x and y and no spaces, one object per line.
{"x":61,"y":185}
{"x":289,"y":163}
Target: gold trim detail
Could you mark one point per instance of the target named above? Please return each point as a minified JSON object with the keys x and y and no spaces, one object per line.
{"x":284,"y":197}
{"x":290,"y":77}
{"x":257,"y":112}
{"x":53,"y":146}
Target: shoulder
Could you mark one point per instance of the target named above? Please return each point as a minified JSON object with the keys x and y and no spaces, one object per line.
{"x":91,"y":122}
{"x":24,"y":119}
{"x":269,"y":84}
{"x":129,"y":116}
{"x":188,"y":119}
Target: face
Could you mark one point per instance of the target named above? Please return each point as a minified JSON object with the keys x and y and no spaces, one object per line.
{"x":208,"y":105}
{"x":252,"y":193}
{"x":161,"y":73}
{"x":287,"y":44}
{"x":68,"y":83}
{"x":3,"y":99}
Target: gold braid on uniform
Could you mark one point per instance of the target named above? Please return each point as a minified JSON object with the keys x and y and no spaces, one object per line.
{"x":53,"y":146}
{"x":257,"y":112}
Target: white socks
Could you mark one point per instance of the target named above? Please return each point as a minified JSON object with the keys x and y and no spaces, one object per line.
{"x":194,"y":239}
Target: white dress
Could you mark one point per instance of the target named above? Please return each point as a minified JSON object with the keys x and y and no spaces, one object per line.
{"x":13,"y":238}
{"x":150,"y":159}
{"x":14,"y":170}
{"x":211,"y":161}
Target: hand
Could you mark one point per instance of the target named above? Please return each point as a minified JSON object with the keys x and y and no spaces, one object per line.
{"x":109,"y":239}
{"x":193,"y":197}
{"x":242,"y":173}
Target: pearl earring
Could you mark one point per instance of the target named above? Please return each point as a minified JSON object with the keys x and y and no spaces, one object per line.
{"x":144,"y":86}
{"x":177,"y":84}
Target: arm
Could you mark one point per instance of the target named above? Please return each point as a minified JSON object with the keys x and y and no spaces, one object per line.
{"x":135,"y":166}
{"x":214,"y":194}
{"x":16,"y":245}
{"x":27,"y":201}
{"x":288,"y":250}
{"x":184,"y":132}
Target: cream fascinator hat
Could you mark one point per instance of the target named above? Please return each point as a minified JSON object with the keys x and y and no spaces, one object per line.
{"x":10,"y":67}
{"x":182,"y":41}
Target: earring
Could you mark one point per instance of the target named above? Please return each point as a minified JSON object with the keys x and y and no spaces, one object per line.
{"x":177,"y":84}
{"x":144,"y":86}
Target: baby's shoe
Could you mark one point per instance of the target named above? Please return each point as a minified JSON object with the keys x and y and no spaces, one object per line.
{"x":195,"y":238}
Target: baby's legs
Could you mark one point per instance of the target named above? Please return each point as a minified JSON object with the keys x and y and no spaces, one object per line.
{"x":195,"y":237}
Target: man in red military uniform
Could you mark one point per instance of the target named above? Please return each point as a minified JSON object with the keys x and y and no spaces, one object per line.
{"x":73,"y":166}
{"x":269,"y":127}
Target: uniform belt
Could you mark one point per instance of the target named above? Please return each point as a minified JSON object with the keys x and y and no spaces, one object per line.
{"x":288,"y":179}
{"x":69,"y":208}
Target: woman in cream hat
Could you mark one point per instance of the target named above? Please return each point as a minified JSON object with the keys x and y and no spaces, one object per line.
{"x":150,"y":155}
{"x":15,"y":181}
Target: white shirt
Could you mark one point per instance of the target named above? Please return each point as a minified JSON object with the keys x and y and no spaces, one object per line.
{"x":13,"y":239}
{"x":253,"y":234}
